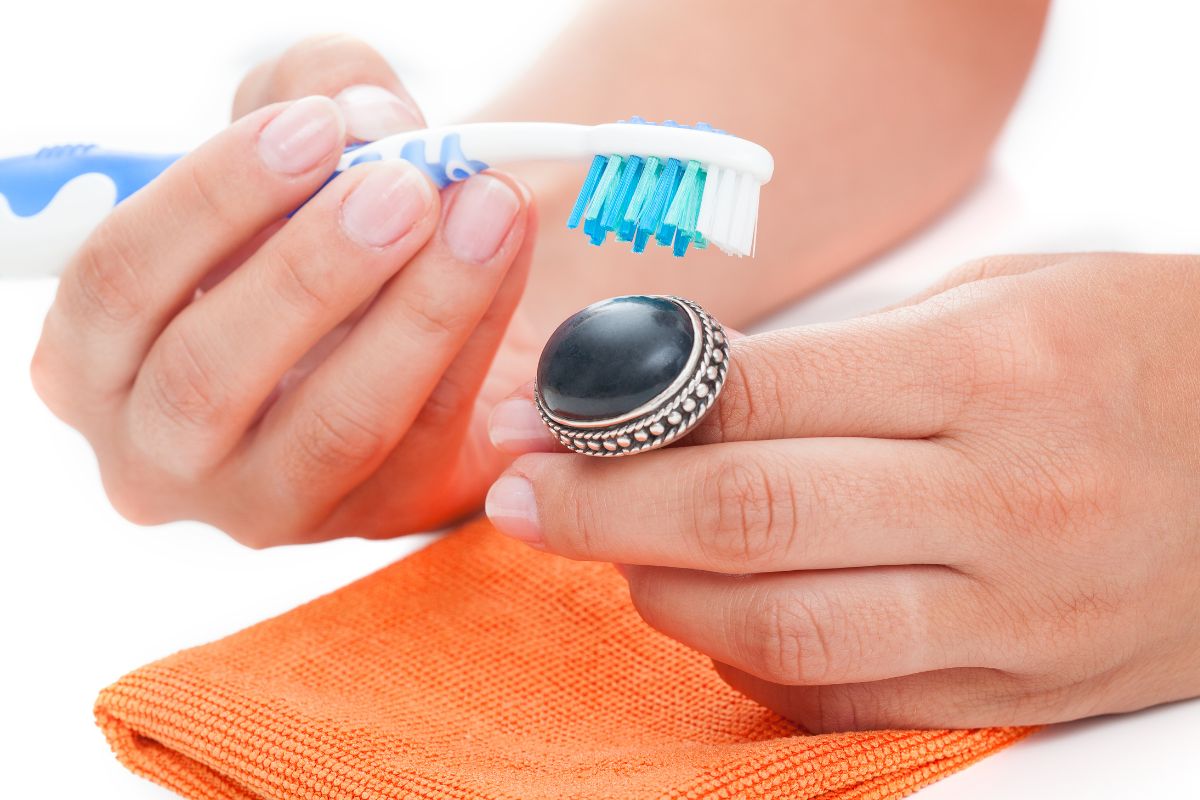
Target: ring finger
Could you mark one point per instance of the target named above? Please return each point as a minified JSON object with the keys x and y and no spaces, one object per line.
{"x":817,"y":628}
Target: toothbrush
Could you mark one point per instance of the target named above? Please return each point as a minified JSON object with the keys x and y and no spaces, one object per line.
{"x":681,"y":186}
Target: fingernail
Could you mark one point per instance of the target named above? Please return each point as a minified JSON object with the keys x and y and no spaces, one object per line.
{"x":480,"y":216}
{"x":373,"y":112}
{"x":386,"y":204}
{"x":301,"y":136}
{"x":513,"y":510}
{"x":516,"y":427}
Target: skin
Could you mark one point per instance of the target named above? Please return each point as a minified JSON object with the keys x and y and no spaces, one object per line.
{"x":367,"y":414}
{"x":285,"y":382}
{"x":879,"y":117}
{"x":978,"y":508}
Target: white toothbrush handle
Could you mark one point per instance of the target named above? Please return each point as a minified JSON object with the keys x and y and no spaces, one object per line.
{"x":455,"y":152}
{"x":51,"y":201}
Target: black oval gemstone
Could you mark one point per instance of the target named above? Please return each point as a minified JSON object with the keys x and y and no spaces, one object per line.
{"x":613,"y":356}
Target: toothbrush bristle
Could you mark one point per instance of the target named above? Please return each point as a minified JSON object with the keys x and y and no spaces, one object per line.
{"x":678,"y":205}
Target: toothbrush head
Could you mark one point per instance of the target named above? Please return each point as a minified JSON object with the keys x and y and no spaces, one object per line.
{"x":678,"y":202}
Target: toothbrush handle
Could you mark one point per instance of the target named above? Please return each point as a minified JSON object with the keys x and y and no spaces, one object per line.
{"x":52,"y":200}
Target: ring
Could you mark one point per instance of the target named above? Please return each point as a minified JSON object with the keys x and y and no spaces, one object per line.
{"x":630,"y":374}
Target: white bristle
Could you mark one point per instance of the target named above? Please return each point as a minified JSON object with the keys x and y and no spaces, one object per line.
{"x":742,"y":231}
{"x":729,"y":211}
{"x":726,"y":198}
{"x":708,"y":200}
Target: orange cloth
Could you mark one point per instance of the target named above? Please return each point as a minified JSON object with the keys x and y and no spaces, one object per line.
{"x":478,"y":668}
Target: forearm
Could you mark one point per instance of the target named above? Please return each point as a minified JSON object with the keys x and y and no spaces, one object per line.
{"x":879,"y":115}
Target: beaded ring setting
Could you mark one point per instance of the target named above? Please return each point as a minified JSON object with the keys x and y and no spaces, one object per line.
{"x":631,"y":374}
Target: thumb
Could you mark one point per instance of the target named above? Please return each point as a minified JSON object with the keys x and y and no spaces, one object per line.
{"x":373,"y":100}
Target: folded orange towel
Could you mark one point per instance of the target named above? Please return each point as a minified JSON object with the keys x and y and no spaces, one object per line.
{"x":478,"y":668}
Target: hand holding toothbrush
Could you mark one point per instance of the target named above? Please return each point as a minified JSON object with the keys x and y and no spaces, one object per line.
{"x":302,"y":379}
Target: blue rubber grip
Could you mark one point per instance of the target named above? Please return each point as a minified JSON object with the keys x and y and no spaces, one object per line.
{"x":29,"y":183}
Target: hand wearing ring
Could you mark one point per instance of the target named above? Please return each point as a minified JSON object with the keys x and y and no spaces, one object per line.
{"x":925,"y":517}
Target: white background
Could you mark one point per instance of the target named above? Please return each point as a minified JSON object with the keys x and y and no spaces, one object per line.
{"x":1100,"y":154}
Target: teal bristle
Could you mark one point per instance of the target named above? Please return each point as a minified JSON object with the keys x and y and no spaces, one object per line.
{"x":656,"y":207}
{"x":678,"y":214}
{"x":637,"y":197}
{"x":688,"y":202}
{"x":666,"y":232}
{"x":626,"y":182}
{"x":645,"y":186}
{"x":606,"y":188}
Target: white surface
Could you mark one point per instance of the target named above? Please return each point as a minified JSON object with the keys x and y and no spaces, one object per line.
{"x":1101,"y":154}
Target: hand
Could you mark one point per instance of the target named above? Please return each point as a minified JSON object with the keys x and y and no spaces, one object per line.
{"x":980,"y":508}
{"x":293,"y":381}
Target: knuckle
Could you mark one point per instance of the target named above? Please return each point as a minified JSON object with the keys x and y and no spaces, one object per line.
{"x":337,"y":439}
{"x":106,"y":279}
{"x":300,"y":281}
{"x":205,"y":195}
{"x":438,"y":315}
{"x":752,"y":400}
{"x":581,"y":524}
{"x":1053,"y":491}
{"x":971,"y":271}
{"x":326,"y":64}
{"x":1000,"y":347}
{"x":792,"y":639}
{"x":746,"y":518}
{"x":135,"y":505}
{"x":647,"y":592}
{"x":837,"y":709}
{"x":181,"y":383}
{"x":46,"y":376}
{"x":258,"y":534}
{"x":304,"y":50}
{"x":135,"y":492}
{"x":448,"y":405}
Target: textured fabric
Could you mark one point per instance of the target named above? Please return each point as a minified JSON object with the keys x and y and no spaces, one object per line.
{"x":478,"y":668}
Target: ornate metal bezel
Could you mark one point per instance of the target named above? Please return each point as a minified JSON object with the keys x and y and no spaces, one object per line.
{"x":667,"y":417}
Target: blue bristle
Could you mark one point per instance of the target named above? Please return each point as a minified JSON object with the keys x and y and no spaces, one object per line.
{"x":637,"y":197}
{"x":592,"y":230}
{"x":664,"y":190}
{"x":612,"y":196}
{"x":682,"y":240}
{"x":640,"y":237}
{"x":603,"y":197}
{"x":666,"y":227}
{"x":641,"y":195}
{"x":631,"y":170}
{"x":585,"y":193}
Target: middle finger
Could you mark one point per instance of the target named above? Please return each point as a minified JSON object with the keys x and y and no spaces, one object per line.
{"x":743,"y":507}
